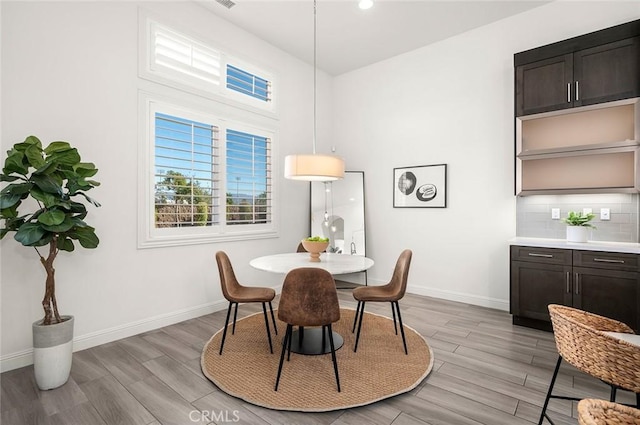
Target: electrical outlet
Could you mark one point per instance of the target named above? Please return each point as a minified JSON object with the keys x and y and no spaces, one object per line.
{"x":555,"y":213}
{"x":605,"y":214}
{"x":586,"y":211}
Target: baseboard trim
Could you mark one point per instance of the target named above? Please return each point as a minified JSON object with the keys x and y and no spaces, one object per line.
{"x":478,"y":300}
{"x":25,"y":357}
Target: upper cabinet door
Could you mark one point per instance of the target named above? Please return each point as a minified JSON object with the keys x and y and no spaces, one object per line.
{"x":545,"y":85}
{"x":608,"y":72}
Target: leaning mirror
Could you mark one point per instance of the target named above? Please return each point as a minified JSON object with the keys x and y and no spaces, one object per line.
{"x":337,"y":213}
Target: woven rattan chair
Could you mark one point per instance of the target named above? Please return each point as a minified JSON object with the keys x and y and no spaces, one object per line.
{"x":309,"y":298}
{"x":582,"y":341}
{"x":236,"y":293}
{"x":601,"y":412}
{"x":391,"y":292}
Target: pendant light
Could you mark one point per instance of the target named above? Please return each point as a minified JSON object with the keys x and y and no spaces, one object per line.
{"x":314,"y":167}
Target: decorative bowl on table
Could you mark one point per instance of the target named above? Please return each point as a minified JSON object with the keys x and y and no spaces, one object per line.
{"x":314,"y":246}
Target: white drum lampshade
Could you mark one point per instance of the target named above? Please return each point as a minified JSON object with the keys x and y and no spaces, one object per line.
{"x":313,"y":167}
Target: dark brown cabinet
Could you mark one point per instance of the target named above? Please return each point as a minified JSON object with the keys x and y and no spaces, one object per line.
{"x":604,"y":283}
{"x":599,"y":74}
{"x":598,"y":67}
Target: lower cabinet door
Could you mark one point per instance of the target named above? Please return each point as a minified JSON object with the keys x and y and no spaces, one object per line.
{"x":534,"y":286}
{"x":610,"y":293}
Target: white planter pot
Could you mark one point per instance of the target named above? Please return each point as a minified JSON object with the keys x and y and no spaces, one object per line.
{"x":577,"y":233}
{"x":52,"y":352}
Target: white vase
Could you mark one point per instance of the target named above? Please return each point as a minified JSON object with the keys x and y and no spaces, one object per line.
{"x":577,"y":233}
{"x":52,"y":352}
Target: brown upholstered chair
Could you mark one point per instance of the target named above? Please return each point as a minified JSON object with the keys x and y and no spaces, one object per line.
{"x":599,"y":412}
{"x":236,"y":293}
{"x":582,"y":341}
{"x":391,"y":292}
{"x":309,"y":298}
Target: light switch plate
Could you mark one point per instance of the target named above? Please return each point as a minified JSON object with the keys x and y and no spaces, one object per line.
{"x":555,"y":213}
{"x":605,"y":214}
{"x":586,"y":211}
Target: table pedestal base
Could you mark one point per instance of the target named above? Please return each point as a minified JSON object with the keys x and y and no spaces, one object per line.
{"x":309,"y":341}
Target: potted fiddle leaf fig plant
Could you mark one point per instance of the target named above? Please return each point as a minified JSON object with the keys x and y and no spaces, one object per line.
{"x":578,"y":226}
{"x":54,"y":181}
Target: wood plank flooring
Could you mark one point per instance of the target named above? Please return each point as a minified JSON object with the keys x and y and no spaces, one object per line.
{"x":486,"y":371}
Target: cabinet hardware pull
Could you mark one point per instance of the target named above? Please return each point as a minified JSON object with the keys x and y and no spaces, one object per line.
{"x":606,"y":260}
{"x":577,"y":90}
{"x":568,"y":92}
{"x":533,"y":254}
{"x":568,"y":283}
{"x":577,"y":284}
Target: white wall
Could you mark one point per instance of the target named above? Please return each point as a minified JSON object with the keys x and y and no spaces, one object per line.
{"x":69,"y":72}
{"x":451,"y":102}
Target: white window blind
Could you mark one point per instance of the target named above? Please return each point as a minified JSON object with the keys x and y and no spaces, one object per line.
{"x":186,"y":172}
{"x":184,"y":55}
{"x":248,"y":178}
{"x":247,"y":83}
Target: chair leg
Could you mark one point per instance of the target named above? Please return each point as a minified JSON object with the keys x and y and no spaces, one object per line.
{"x":359,"y":326}
{"x":235,"y":315}
{"x":355,"y":318}
{"x":333,"y":356}
{"x":273,"y":319}
{"x":543,"y":414}
{"x":266,"y":322}
{"x":289,"y":347}
{"x":393,"y":311}
{"x":226,"y":324}
{"x":612,"y":397}
{"x":287,"y":338}
{"x":404,"y":340}
{"x":324,"y":339}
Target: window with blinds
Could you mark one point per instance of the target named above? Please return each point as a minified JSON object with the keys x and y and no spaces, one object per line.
{"x":248,"y":180}
{"x":184,"y":56}
{"x":175,"y":57}
{"x":186,"y":172}
{"x":247,"y":83}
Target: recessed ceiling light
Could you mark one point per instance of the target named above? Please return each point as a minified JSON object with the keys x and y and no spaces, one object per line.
{"x":365,"y":4}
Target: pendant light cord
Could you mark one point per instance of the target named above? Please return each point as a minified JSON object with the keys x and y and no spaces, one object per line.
{"x":314,"y":72}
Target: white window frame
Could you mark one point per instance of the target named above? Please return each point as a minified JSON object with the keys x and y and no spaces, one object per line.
{"x":149,"y":236}
{"x":149,"y":71}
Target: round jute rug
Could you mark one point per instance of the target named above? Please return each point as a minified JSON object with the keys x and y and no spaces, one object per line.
{"x":380,"y":369}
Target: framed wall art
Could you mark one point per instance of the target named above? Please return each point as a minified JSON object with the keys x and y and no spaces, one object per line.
{"x":422,"y":186}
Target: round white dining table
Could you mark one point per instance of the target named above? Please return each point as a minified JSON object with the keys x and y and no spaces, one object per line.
{"x":333,"y":263}
{"x":312,"y":341}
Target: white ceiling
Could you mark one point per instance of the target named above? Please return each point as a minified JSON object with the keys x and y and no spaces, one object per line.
{"x":349,"y":38}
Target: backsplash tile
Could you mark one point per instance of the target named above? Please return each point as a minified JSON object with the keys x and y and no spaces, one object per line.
{"x":534,"y":216}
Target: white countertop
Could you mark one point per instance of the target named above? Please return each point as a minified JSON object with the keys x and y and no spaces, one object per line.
{"x":633,"y":248}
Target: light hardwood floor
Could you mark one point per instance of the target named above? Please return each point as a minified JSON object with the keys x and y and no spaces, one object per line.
{"x":486,"y":371}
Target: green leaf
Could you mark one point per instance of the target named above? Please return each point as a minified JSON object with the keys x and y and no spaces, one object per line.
{"x":66,"y":244}
{"x":66,"y":225}
{"x":57,"y":147}
{"x":86,"y":236}
{"x":8,"y":178}
{"x":47,"y":199}
{"x":14,"y":163}
{"x":10,"y":212}
{"x":68,"y":157}
{"x":85,"y":169}
{"x":51,"y":217}
{"x":47,"y":184}
{"x":93,"y":201}
{"x":3,"y":233}
{"x":17,"y":189}
{"x":29,"y":234}
{"x":47,"y":168}
{"x":34,"y":156}
{"x":8,"y":200}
